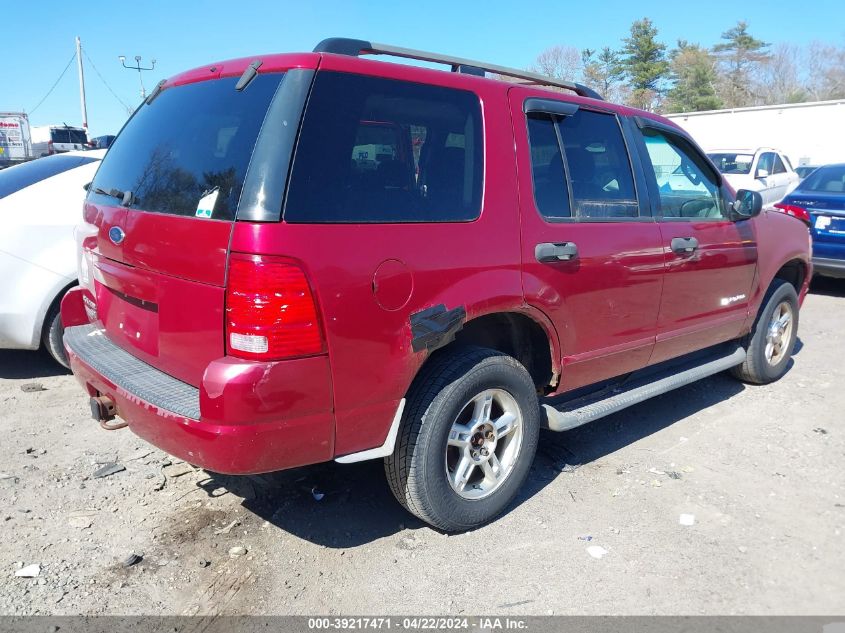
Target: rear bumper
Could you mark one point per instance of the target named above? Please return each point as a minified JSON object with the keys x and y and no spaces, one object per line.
{"x":827,"y":267}
{"x":245,"y":418}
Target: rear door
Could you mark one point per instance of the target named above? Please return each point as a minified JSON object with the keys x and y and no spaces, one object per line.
{"x":710,"y":260}
{"x":785,"y":179}
{"x":591,"y":257}
{"x":164,"y":201}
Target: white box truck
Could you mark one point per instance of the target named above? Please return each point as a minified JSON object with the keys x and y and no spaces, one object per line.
{"x":15,"y":139}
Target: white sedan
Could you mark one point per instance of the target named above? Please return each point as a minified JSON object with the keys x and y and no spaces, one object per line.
{"x":764,"y":169}
{"x":40,"y":203}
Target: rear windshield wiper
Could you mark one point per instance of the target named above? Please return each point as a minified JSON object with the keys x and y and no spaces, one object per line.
{"x":248,"y":75}
{"x":126,"y":198}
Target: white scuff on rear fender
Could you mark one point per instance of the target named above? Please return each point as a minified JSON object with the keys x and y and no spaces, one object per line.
{"x":381,"y":451}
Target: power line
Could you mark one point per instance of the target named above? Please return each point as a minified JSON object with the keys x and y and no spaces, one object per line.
{"x":72,"y":57}
{"x":105,"y":83}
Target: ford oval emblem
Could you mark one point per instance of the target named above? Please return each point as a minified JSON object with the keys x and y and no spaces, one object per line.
{"x":116,"y":234}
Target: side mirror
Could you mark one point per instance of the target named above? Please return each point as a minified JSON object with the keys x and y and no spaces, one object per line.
{"x":762,"y":173}
{"x":87,"y":186}
{"x":748,"y":204}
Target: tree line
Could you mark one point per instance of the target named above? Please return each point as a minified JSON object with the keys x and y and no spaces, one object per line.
{"x":737,"y":71}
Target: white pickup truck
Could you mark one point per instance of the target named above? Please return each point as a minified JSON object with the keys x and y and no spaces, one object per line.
{"x":765,"y":169}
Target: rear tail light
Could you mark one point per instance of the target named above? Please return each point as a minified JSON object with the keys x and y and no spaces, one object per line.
{"x":270,"y":310}
{"x":50,"y":147}
{"x":795,"y":211}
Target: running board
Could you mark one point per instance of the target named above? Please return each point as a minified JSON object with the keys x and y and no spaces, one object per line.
{"x":569,"y":417}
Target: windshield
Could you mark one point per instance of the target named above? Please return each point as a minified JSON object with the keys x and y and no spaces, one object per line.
{"x":68,"y":135}
{"x":826,"y":180}
{"x":732,"y":163}
{"x":16,"y":178}
{"x":187,"y":152}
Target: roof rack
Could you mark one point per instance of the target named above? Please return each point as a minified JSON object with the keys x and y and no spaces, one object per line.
{"x":354,"y":48}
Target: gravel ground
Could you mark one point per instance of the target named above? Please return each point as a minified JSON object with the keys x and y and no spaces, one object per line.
{"x":760,"y":469}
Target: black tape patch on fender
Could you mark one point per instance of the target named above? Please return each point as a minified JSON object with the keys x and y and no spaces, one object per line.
{"x":435,"y":327}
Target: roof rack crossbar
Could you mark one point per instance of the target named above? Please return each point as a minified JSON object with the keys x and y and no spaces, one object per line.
{"x":353,"y":47}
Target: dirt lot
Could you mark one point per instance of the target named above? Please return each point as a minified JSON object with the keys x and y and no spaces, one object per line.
{"x":761,"y":470}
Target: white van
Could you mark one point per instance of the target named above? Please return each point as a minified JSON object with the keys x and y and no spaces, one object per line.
{"x":55,"y":139}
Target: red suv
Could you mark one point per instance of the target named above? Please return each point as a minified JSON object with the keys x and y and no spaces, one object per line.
{"x":319,"y":256}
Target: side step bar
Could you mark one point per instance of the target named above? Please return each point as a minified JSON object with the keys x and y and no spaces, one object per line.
{"x":571,"y":415}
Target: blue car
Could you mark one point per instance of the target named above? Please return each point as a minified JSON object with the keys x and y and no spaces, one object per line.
{"x":820,"y":201}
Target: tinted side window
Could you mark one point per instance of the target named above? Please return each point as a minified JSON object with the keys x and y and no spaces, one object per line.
{"x":193,"y":143}
{"x":766,"y":162}
{"x":381,"y":150}
{"x":598,"y":166}
{"x":16,"y":178}
{"x":550,"y":192}
{"x":687,"y":186}
{"x":778,"y":167}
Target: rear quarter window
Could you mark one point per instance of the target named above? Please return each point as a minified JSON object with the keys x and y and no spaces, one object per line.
{"x":192,"y":143}
{"x":382,"y":150}
{"x":18,"y":177}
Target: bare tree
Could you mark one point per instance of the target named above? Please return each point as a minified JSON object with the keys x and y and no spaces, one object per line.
{"x":778,"y":78}
{"x":560,"y":62}
{"x":825,"y":67}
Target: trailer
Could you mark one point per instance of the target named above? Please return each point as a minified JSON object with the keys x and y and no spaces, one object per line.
{"x":15,"y":138}
{"x":808,"y":133}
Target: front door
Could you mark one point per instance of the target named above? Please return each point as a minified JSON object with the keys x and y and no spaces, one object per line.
{"x":710,"y":260}
{"x":591,"y":257}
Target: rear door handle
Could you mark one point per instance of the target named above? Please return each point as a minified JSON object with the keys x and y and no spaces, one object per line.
{"x":684,"y":245}
{"x":551,"y":252}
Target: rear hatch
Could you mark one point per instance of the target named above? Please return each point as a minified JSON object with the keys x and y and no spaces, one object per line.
{"x":164,"y":202}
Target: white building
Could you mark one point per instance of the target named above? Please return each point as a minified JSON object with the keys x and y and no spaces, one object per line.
{"x":808,"y":133}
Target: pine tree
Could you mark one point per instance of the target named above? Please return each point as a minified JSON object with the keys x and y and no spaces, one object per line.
{"x":740,"y":54}
{"x":603,"y":72}
{"x":644,"y":61}
{"x":693,"y":73}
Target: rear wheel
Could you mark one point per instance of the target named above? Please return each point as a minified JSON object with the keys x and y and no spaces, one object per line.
{"x":468,"y":437}
{"x":53,"y":333}
{"x":770,"y":344}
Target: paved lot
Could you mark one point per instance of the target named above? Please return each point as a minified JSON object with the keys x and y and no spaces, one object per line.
{"x":761,"y":470}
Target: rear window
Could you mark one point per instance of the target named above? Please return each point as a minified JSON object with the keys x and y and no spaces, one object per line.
{"x":63,"y":135}
{"x":381,"y":150}
{"x":187,"y":152}
{"x":824,"y":179}
{"x":16,"y":178}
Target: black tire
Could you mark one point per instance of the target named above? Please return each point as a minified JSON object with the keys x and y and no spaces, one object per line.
{"x":417,"y":470}
{"x":757,"y":369}
{"x":53,"y":333}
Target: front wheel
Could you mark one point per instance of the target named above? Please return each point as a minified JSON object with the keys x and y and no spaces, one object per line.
{"x":770,"y":344}
{"x":468,"y":437}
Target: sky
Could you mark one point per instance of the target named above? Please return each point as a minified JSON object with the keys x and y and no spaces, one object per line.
{"x":183,"y":34}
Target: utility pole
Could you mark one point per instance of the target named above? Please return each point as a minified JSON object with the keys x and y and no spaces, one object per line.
{"x":81,"y":85}
{"x":139,"y":68}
